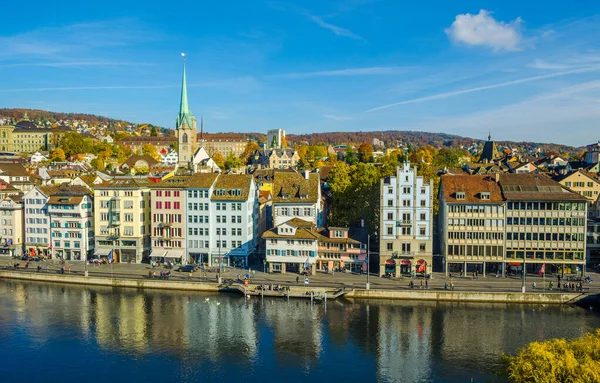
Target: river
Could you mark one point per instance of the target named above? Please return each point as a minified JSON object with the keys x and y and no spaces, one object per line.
{"x":52,"y":332}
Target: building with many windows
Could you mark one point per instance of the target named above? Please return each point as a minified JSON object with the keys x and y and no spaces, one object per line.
{"x":71,"y":223}
{"x":234,"y":208}
{"x":224,"y":143}
{"x":297,"y":196}
{"x":122,"y":219}
{"x":292,"y":246}
{"x":406,"y":216}
{"x":582,"y":182}
{"x":275,"y":158}
{"x":511,"y":222}
{"x":472,"y":222}
{"x":37,"y":220}
{"x":12,"y":225}
{"x":169,"y":237}
{"x":200,"y":232}
{"x":545,"y":223}
{"x":338,"y":251}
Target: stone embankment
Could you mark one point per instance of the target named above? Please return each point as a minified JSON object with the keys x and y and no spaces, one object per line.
{"x":305,"y":291}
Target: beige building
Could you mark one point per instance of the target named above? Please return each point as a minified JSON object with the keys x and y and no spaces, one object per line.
{"x":123,"y":219}
{"x":224,"y":143}
{"x":275,"y":158}
{"x":12,"y":225}
{"x":27,"y":137}
{"x":472,"y":223}
{"x":582,"y":182}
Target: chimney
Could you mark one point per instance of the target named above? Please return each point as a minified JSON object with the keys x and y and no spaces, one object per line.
{"x":306,"y":174}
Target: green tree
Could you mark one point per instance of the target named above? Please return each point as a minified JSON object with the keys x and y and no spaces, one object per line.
{"x":351,"y":156}
{"x":73,"y":143}
{"x":153,"y":132}
{"x":58,"y":155}
{"x":557,"y":361}
{"x":233,"y":162}
{"x":98,"y":163}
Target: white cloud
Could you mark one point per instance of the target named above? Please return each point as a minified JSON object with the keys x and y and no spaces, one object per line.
{"x":337,"y":118}
{"x":440,"y":96}
{"x":338,"y":31}
{"x":378,"y":70}
{"x":483,"y":30}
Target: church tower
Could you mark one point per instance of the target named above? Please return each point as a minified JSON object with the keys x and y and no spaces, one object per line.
{"x":185,"y":127}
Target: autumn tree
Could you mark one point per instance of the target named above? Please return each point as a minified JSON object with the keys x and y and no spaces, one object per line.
{"x":73,"y":143}
{"x":351,"y":156}
{"x":284,"y":143}
{"x":557,"y":361}
{"x":365,"y":152}
{"x":150,"y":150}
{"x":250,"y":148}
{"x":219,"y":160}
{"x":58,"y":155}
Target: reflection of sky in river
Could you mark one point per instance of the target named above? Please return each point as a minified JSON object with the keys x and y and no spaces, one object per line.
{"x":71,"y":333}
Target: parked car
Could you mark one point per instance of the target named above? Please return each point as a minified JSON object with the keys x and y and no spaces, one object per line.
{"x":187,"y":268}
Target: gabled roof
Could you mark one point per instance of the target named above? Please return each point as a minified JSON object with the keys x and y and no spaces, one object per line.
{"x":12,"y":169}
{"x":587,"y":174}
{"x":125,"y":183}
{"x":229,"y":183}
{"x":196,"y":181}
{"x":294,"y":188}
{"x":472,"y":186}
{"x":304,"y":230}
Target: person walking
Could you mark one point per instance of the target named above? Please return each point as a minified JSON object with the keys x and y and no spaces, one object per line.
{"x":427,"y":284}
{"x":297,"y":279}
{"x":533,"y":285}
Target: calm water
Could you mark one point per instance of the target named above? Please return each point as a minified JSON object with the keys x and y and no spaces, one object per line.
{"x":52,"y":332}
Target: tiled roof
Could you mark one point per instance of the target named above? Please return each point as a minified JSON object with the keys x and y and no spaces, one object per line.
{"x":231,"y":182}
{"x":135,"y":158}
{"x":264,"y":196}
{"x":11,"y":169}
{"x":472,"y":186}
{"x":304,"y":230}
{"x":64,"y":190}
{"x":65,"y":200}
{"x":125,"y":183}
{"x":198,"y":180}
{"x":294,"y":188}
{"x":573,"y":173}
{"x":536,"y":187}
{"x":222,"y":137}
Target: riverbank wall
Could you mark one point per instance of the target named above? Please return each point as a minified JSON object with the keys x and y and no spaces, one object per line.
{"x":304,"y":291}
{"x":467,"y":296}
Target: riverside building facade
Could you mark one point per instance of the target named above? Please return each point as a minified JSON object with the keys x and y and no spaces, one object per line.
{"x":406,"y":244}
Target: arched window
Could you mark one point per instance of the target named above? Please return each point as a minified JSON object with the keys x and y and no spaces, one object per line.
{"x":184,"y":138}
{"x":4,"y":134}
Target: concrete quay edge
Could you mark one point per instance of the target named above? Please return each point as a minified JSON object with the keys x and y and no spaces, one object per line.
{"x":416,"y":294}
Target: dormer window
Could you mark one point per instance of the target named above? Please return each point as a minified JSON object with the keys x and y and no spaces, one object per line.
{"x":484,"y":195}
{"x":236,"y":192}
{"x":285,"y":196}
{"x":460,"y":195}
{"x":220,"y":192}
{"x":303,"y":196}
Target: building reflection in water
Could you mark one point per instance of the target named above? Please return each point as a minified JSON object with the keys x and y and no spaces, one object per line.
{"x":384,"y":340}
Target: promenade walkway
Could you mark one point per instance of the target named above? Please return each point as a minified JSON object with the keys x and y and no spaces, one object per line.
{"x":339,"y":280}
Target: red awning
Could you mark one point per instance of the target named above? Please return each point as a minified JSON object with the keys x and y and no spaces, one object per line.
{"x":514,"y":263}
{"x":421,"y":262}
{"x":405,"y":262}
{"x":390,"y":262}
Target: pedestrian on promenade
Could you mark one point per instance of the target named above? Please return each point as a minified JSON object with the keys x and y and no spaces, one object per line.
{"x":533,"y":285}
{"x":190,"y":276}
{"x":297,"y":279}
{"x":421,"y":284}
{"x":427,"y":283}
{"x":550,"y":285}
{"x":445,"y":285}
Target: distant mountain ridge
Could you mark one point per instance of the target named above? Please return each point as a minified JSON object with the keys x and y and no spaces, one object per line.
{"x":391,"y":138}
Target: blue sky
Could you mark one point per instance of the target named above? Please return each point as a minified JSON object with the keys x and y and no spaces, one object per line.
{"x":526,"y":70}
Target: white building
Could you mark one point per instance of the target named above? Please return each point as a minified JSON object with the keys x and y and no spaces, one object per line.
{"x":406,"y":218}
{"x":37,"y":221}
{"x":297,"y":196}
{"x":71,"y":223}
{"x":234,"y":219}
{"x":291,"y":246}
{"x":37,"y":157}
{"x":170,"y":158}
{"x":275,"y":138}
{"x":199,"y":234}
{"x":203,"y":163}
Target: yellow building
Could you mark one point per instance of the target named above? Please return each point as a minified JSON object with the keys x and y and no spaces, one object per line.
{"x":583,"y":183}
{"x":27,"y":137}
{"x":224,"y":143}
{"x":122,"y":219}
{"x":265,"y":178}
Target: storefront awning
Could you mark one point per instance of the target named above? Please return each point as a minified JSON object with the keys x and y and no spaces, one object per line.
{"x":514,"y":263}
{"x":405,"y":262}
{"x":390,"y":262}
{"x":158,"y":253}
{"x":101,"y":252}
{"x":174,"y":254}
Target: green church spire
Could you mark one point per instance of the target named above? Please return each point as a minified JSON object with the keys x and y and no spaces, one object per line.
{"x":185,"y":116}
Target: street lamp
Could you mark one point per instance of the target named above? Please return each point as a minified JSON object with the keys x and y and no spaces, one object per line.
{"x":368,"y":286}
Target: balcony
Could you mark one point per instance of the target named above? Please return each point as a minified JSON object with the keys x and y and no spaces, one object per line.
{"x":404,"y":222}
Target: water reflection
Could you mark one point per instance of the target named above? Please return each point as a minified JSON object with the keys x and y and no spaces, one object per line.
{"x":229,"y":338}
